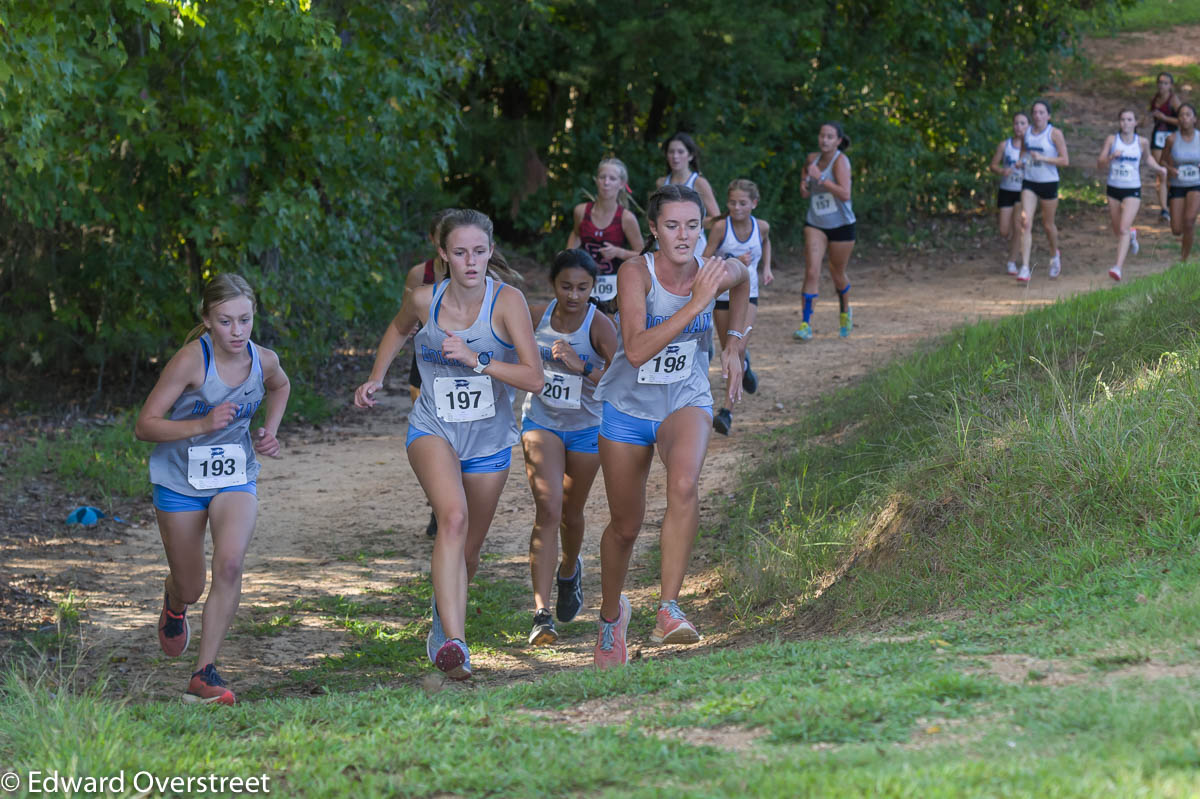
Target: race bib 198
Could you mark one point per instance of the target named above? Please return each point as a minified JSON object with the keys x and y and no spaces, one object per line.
{"x":464,"y":399}
{"x":561,"y":390}
{"x":669,"y":366}
{"x":1189,"y":173}
{"x":823,"y":204}
{"x":605,"y":288}
{"x":216,"y":467}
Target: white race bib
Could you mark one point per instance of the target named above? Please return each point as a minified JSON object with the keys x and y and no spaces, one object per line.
{"x":1189,"y":173}
{"x":464,"y":399}
{"x":1123,"y":172}
{"x":216,"y":467}
{"x":823,"y":204}
{"x":669,"y":366}
{"x":605,"y":288}
{"x":1160,"y":138}
{"x":561,"y":390}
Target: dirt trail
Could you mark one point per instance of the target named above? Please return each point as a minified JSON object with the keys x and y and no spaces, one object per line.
{"x":342,"y":514}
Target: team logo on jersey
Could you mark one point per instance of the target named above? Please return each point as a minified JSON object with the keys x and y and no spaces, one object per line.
{"x":461,"y":383}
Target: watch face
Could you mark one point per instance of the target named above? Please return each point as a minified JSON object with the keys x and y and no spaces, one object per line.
{"x":484,"y":359}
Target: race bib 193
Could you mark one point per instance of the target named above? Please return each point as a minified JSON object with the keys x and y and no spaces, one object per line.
{"x":216,"y":467}
{"x":1189,"y":173}
{"x":464,"y":399}
{"x":823,"y":204}
{"x":561,"y":390}
{"x":605,"y":288}
{"x":669,"y":366}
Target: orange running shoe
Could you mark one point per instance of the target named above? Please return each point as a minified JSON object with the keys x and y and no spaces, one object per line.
{"x":610,"y":646}
{"x":207,"y":687}
{"x":672,"y":627}
{"x":174,"y":632}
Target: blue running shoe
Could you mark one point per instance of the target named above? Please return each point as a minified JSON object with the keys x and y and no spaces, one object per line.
{"x":846,"y":322}
{"x":749,"y":379}
{"x":723,"y":421}
{"x":570,"y":594}
{"x":543,"y":632}
{"x":436,"y":637}
{"x":454,"y":659}
{"x":804,"y":333}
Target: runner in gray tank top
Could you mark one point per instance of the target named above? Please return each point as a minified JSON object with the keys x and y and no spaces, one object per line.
{"x":656,"y":393}
{"x":683,"y":164}
{"x":559,"y":435}
{"x":1008,"y":164}
{"x":204,"y":469}
{"x":462,"y":428}
{"x":829,"y":226}
{"x":1121,"y":157}
{"x":1182,"y":159}
{"x":1047,"y":151}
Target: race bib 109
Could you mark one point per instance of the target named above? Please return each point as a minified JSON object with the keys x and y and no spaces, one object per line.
{"x":216,"y":467}
{"x":464,"y":399}
{"x":669,"y":366}
{"x":605,"y":288}
{"x":561,"y":390}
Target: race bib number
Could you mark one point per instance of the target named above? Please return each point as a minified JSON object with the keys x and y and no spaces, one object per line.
{"x":823,"y":204}
{"x":1189,"y":173}
{"x":669,"y":366}
{"x":1160,"y":138}
{"x":1123,"y":172}
{"x":216,"y":467}
{"x":464,"y":399}
{"x":605,"y":288}
{"x":561,"y":390}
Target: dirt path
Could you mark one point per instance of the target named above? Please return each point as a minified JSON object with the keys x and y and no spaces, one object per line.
{"x":341,"y":513}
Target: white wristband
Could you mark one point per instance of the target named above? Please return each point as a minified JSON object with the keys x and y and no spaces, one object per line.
{"x":736,"y":333}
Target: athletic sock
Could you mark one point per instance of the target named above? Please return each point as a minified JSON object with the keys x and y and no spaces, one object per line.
{"x":843,"y":303}
{"x":808,"y":304}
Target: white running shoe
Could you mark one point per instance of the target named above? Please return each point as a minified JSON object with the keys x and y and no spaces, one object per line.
{"x":1115,"y":273}
{"x":1012,"y":268}
{"x":1056,"y":265}
{"x":1133,"y":244}
{"x":1024,"y":275}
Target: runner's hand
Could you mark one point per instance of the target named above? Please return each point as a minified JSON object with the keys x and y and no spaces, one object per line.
{"x":364,"y":395}
{"x":265,"y":443}
{"x":563,"y":351}
{"x":455,"y":349}
{"x":707,"y":285}
{"x":608,"y":251}
{"x":220,"y":417}
{"x":731,"y":369}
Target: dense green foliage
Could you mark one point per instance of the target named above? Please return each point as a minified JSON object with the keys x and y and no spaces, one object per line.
{"x":144,"y":145}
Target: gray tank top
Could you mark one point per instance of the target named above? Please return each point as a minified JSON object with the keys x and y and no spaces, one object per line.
{"x":732,"y":246}
{"x":567,"y":401}
{"x":1186,"y":157}
{"x":473,"y":412}
{"x":824,"y":210}
{"x":675,"y":378}
{"x":1043,"y":143}
{"x":169,"y":462}
{"x":1011,"y":158}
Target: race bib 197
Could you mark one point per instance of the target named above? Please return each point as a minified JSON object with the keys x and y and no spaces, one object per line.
{"x":823,"y":204}
{"x":605,"y":288}
{"x":464,"y":399}
{"x":561,"y":390}
{"x":1189,"y":173}
{"x":669,"y":366}
{"x":216,"y":467}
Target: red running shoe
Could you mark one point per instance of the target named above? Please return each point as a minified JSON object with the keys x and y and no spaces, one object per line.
{"x":672,"y":627}
{"x":207,"y":687}
{"x":174,"y":632}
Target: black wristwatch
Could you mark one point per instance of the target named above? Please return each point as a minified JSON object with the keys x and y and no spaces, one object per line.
{"x":588,"y":368}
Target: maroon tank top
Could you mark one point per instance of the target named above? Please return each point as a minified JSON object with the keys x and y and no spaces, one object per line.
{"x":428,"y":277}
{"x":1165,"y":108}
{"x":592,"y":238}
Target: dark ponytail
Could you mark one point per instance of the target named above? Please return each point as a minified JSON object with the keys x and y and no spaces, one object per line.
{"x":687,"y":141}
{"x":843,"y":139}
{"x":575,"y":258}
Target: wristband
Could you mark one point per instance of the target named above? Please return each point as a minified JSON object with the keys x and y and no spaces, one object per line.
{"x":736,"y":333}
{"x":588,"y":368}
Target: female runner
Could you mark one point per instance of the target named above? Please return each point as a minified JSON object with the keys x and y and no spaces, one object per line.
{"x":559,"y":434}
{"x":1007,"y":164}
{"x":204,"y":470}
{"x":744,"y":236}
{"x":475,"y":342}
{"x":683,"y":161}
{"x":828,"y":226}
{"x":1047,"y":151}
{"x":1182,"y":159}
{"x":609,"y":243}
{"x":656,"y":391}
{"x":1121,"y":156}
{"x":1164,"y":109}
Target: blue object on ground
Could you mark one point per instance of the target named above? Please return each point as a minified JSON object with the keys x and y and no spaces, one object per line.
{"x":85,"y":515}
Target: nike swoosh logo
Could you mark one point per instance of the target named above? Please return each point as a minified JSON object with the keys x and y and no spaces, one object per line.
{"x":249,"y":391}
{"x":472,"y":340}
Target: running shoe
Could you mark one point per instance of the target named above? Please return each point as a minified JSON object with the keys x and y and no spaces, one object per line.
{"x":543,"y":631}
{"x":1115,"y":273}
{"x":1133,"y":242}
{"x":437,"y":635}
{"x":174,"y":632}
{"x":672,"y":627}
{"x":1024,"y":275}
{"x":723,"y":421}
{"x":206,"y":687}
{"x":749,"y":379}
{"x":1011,"y":268}
{"x":1056,"y":265}
{"x":846,"y":322}
{"x":454,"y":659}
{"x":431,"y":528}
{"x":610,"y":645}
{"x":570,"y":594}
{"x":804,"y":333}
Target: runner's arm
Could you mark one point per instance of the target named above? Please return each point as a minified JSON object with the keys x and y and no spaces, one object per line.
{"x":185,"y":370}
{"x":279,"y":388}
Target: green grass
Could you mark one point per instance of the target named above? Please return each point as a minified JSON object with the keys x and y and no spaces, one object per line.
{"x":1156,"y":14}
